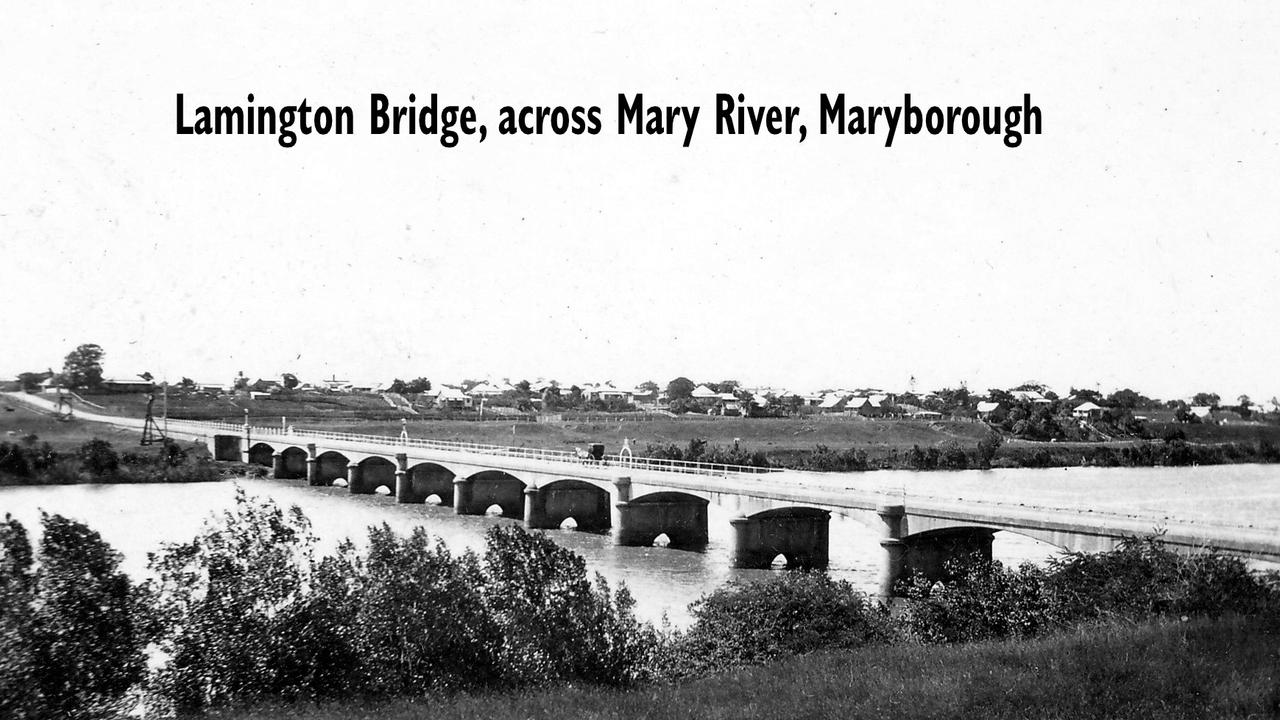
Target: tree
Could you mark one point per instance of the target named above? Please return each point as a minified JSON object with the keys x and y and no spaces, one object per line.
{"x":83,"y":367}
{"x":1086,"y":395}
{"x":1205,"y":398}
{"x":290,"y":381}
{"x":242,"y":382}
{"x":1127,"y":399}
{"x":30,"y":381}
{"x":398,"y":386}
{"x":680,"y":389}
{"x":417,"y":385}
{"x":648,"y":386}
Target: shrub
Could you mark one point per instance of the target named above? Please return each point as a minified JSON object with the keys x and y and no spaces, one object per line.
{"x":555,"y":623}
{"x":980,"y":600}
{"x":787,"y":614}
{"x":98,"y":458}
{"x":223,"y":600}
{"x":71,"y":645}
{"x":415,"y":615}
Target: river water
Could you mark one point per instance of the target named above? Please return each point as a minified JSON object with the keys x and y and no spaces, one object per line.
{"x":137,"y":519}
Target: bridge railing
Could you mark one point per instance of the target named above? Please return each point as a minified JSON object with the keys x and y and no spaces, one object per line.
{"x":541,"y":454}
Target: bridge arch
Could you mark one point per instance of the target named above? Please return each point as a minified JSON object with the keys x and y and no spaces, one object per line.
{"x":799,"y":534}
{"x":928,"y":552}
{"x":260,"y":454}
{"x":549,"y":505}
{"x":292,"y":464}
{"x":424,"y":479}
{"x":371,"y":473}
{"x":473,"y":495}
{"x":681,"y":516}
{"x":331,"y":465}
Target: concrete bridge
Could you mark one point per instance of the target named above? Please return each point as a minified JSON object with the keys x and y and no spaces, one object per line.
{"x":776,"y":513}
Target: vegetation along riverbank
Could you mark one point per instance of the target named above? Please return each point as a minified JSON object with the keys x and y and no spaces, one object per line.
{"x":249,"y":620}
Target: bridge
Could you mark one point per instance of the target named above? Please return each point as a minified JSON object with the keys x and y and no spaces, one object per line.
{"x":776,"y":512}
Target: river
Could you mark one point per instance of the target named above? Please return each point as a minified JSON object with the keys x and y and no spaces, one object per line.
{"x":137,"y":519}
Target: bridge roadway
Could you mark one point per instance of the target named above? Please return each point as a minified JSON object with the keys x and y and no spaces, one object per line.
{"x":777,"y":512}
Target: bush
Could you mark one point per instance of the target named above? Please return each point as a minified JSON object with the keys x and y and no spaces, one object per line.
{"x":71,"y":644}
{"x":97,"y":458}
{"x":982,"y":599}
{"x":787,"y":614}
{"x":554,"y":623}
{"x":224,"y":599}
{"x":1140,"y":579}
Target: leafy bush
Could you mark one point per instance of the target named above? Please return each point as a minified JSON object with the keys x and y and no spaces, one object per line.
{"x":981,"y":600}
{"x":787,"y":614}
{"x":224,"y":599}
{"x":70,"y":635}
{"x":554,"y":623}
{"x":1140,"y":579}
{"x":249,"y":613}
{"x":97,"y":458}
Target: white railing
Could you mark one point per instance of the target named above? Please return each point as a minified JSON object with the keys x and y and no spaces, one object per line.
{"x":541,"y":454}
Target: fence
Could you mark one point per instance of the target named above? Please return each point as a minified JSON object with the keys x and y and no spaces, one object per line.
{"x":541,"y":454}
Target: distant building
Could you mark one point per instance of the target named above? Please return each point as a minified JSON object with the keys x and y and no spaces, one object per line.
{"x":1087,"y":411}
{"x":986,"y":408}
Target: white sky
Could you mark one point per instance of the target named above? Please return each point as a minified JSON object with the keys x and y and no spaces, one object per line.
{"x":1134,"y":243}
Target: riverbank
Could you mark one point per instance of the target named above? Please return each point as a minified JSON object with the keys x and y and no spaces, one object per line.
{"x":815,"y":442}
{"x":39,"y":449}
{"x":1202,"y":668}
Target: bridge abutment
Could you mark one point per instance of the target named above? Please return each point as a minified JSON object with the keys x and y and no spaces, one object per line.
{"x":227,"y":447}
{"x":801,"y":535}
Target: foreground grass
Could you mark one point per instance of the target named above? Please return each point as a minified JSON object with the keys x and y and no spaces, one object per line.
{"x":1225,"y":668}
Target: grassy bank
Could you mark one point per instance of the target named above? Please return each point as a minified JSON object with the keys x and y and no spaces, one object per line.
{"x":38,"y":449}
{"x":1223,"y":668}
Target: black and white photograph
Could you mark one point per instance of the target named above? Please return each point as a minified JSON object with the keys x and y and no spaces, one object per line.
{"x":639,"y":360}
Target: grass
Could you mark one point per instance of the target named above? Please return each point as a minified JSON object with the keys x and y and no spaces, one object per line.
{"x":65,"y":436}
{"x":1223,"y":668}
{"x":371,"y":415}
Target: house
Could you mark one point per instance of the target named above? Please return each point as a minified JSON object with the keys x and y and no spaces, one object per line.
{"x":486,"y":390}
{"x":641,"y":396}
{"x":1204,"y":413}
{"x":832,"y":402}
{"x":986,"y":408}
{"x":126,"y":385}
{"x":1087,"y":411}
{"x":702,"y":392}
{"x":866,"y":407}
{"x":452,"y":398}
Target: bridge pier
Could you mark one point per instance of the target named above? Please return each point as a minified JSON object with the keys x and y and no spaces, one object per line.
{"x":353,"y":479}
{"x":893,"y":558}
{"x":682,"y":518}
{"x":462,"y":496}
{"x":802,"y":535}
{"x":535,"y":516}
{"x":277,"y":465}
{"x":313,"y":466}
{"x":404,"y":485}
